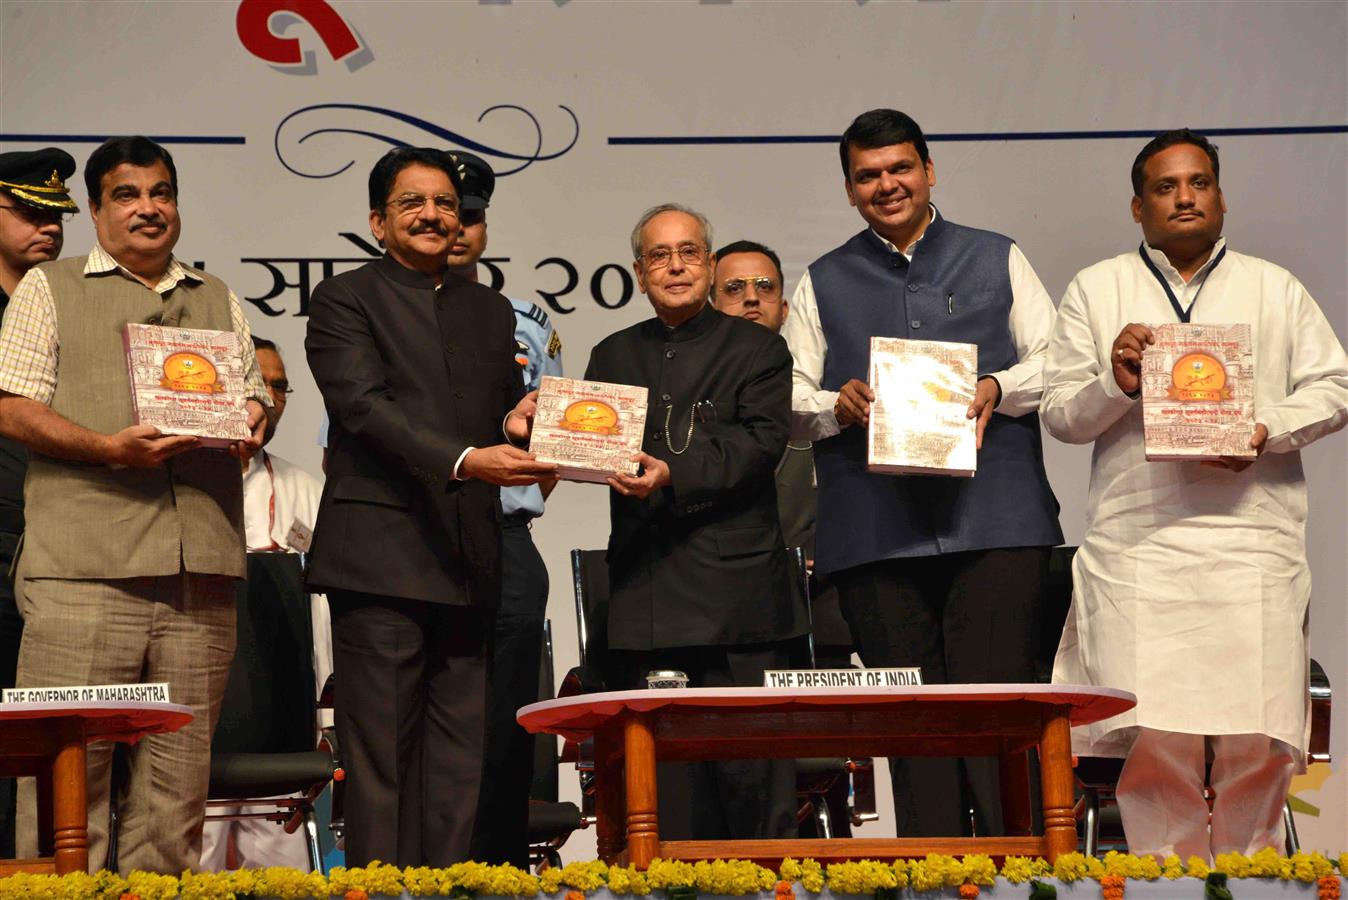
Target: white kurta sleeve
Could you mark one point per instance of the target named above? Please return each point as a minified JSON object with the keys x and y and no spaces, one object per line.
{"x":1031,"y":323}
{"x":811,"y":407}
{"x":1317,"y":379}
{"x":1081,"y":398}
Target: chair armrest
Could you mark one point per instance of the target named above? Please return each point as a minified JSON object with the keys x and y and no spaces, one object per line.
{"x":581,"y":680}
{"x":863,"y":790}
{"x":327,"y":696}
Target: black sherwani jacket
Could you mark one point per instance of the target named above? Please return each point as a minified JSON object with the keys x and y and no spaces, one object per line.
{"x":411,"y":377}
{"x":702,"y":562}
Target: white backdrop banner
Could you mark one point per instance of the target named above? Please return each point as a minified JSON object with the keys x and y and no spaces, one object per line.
{"x":591,"y":112}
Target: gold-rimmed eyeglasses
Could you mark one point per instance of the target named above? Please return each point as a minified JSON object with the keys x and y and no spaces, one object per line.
{"x":411,"y":204}
{"x":689,"y":254}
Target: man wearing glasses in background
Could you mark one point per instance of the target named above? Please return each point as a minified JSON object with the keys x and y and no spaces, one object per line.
{"x":417,"y":370}
{"x":34,"y":202}
{"x":699,"y":576}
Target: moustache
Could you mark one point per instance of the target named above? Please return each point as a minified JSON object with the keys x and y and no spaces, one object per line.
{"x":430,"y":228}
{"x":149,"y":223}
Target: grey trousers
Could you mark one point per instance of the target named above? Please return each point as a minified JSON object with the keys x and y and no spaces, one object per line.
{"x":179,"y":629}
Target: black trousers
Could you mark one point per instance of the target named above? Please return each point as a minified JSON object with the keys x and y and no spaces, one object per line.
{"x":501,"y":835}
{"x":964,"y":618}
{"x":411,"y":704}
{"x":11,"y":632}
{"x":718,"y":800}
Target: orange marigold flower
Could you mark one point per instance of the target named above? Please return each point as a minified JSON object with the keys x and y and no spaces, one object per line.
{"x":1328,"y":887}
{"x":355,"y":894}
{"x":968,"y":891}
{"x":784,"y":889}
{"x":1111,"y":887}
{"x":127,"y":895}
{"x":574,"y":895}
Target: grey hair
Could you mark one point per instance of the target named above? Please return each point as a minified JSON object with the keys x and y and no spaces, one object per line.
{"x":669,"y":207}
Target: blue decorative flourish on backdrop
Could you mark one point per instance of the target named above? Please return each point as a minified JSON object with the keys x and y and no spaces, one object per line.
{"x":329,"y":120}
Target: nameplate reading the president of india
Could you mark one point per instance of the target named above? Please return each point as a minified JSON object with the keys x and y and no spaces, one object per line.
{"x":1198,"y":393}
{"x":842,"y":678}
{"x":188,"y":381}
{"x":590,"y":429}
{"x":919,"y":422}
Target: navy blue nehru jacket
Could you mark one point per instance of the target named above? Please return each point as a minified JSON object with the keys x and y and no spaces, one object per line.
{"x":955,"y":289}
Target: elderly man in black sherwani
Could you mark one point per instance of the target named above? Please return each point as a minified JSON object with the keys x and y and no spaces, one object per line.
{"x":699,"y":577}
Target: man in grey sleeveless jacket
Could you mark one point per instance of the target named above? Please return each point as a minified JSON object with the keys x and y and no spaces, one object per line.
{"x":132,"y":539}
{"x":942,"y":573}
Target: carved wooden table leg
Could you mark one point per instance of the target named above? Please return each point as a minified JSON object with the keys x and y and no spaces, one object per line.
{"x":70,"y":815}
{"x":1055,"y":778}
{"x":610,"y":824}
{"x":643,"y":831}
{"x":1014,"y":777}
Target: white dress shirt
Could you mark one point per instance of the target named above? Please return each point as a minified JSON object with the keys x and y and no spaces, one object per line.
{"x":1031,"y":320}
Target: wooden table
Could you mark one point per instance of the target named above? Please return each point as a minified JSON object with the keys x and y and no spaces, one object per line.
{"x":47,"y":740}
{"x":633,"y":729}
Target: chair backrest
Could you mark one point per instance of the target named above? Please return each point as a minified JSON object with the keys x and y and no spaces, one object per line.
{"x":1055,"y":601}
{"x":589,"y":572}
{"x":545,"y":745}
{"x":269,"y":704}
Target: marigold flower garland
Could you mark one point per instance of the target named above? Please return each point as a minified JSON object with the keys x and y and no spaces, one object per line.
{"x":685,"y":881}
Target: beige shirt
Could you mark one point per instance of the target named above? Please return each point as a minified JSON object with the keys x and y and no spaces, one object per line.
{"x":30,"y":352}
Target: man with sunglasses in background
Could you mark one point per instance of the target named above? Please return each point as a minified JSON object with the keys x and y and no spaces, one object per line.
{"x":34,"y":204}
{"x":500,"y":835}
{"x":699,"y":576}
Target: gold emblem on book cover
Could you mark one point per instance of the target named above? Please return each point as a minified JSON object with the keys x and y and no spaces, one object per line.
{"x":1198,"y":378}
{"x":594,"y":416}
{"x":190,"y":372}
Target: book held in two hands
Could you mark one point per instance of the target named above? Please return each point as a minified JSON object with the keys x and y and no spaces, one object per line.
{"x":919,"y":422}
{"x":1198,"y":393}
{"x":188,"y":381}
{"x":590,"y":429}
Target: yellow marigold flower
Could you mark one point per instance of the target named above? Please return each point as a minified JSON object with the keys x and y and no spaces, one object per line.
{"x":1235,"y":865}
{"x":1021,"y":869}
{"x":663,"y":874}
{"x":151,"y":886}
{"x":1172,"y":867}
{"x":934,"y":872}
{"x":1197,"y":867}
{"x":550,"y":881}
{"x":980,"y":869}
{"x":1070,"y":867}
{"x":791,"y":870}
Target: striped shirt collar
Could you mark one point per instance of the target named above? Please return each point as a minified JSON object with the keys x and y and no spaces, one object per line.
{"x":100,"y":262}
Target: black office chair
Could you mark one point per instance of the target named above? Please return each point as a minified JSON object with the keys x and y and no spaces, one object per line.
{"x":815,"y":777}
{"x":266,"y":743}
{"x":551,"y":821}
{"x":834,"y":793}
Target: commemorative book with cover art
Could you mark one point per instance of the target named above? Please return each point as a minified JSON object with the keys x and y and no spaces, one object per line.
{"x":188,"y":381}
{"x":590,"y":429}
{"x":919,"y":422}
{"x":1198,"y":393}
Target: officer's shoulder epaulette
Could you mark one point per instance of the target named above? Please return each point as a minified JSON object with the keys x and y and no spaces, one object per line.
{"x":532,"y":311}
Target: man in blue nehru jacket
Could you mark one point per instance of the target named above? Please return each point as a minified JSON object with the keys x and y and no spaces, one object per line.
{"x":942,"y":573}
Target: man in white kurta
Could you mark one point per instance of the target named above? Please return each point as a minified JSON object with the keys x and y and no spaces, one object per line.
{"x":280,"y":506}
{"x":1191,"y":586}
